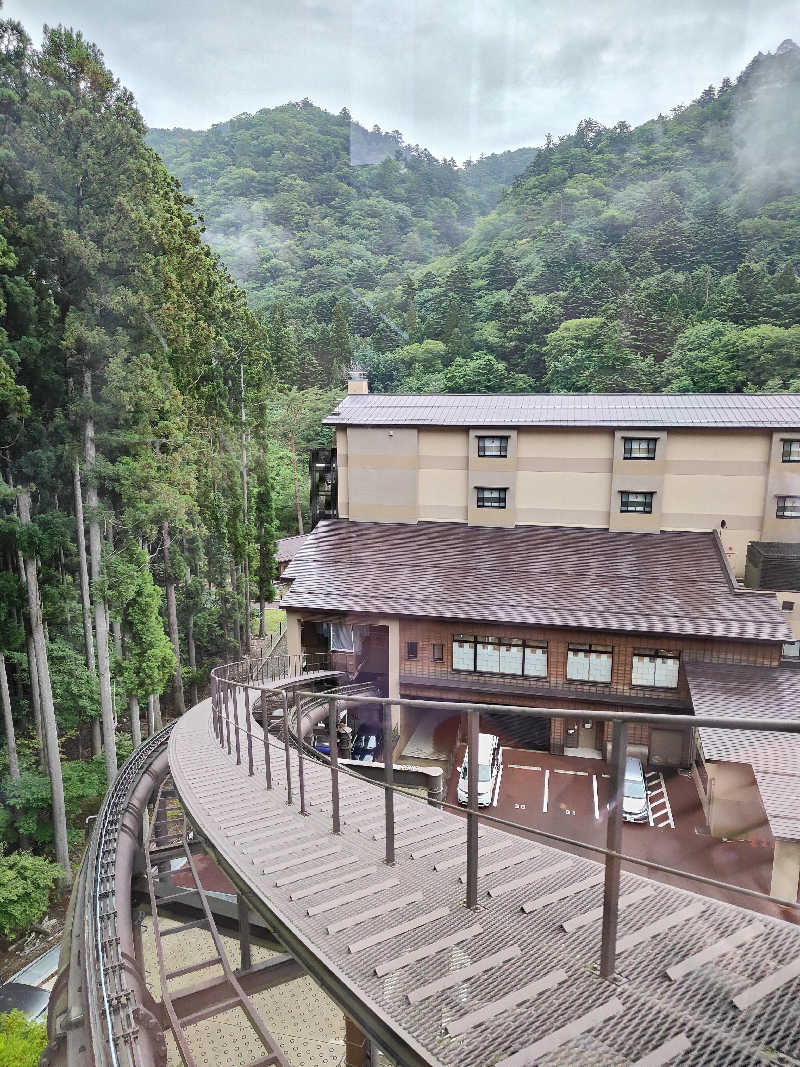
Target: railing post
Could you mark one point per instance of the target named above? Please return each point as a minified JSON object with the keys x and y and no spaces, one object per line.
{"x":227,"y":716}
{"x":214,"y":705}
{"x":301,"y":778}
{"x":248,"y":728}
{"x":473,"y":741}
{"x":333,"y":740}
{"x":287,"y":748}
{"x":388,"y":763}
{"x":266,"y":716}
{"x":237,"y":739}
{"x":608,"y":947}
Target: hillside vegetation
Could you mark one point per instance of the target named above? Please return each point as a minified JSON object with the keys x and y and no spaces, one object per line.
{"x":660,"y":257}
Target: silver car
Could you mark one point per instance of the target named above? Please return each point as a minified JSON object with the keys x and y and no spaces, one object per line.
{"x":634,"y":799}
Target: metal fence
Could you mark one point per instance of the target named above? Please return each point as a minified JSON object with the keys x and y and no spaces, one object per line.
{"x":289,"y":680}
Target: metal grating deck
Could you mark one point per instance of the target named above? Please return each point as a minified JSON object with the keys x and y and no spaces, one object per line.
{"x":501,"y":985}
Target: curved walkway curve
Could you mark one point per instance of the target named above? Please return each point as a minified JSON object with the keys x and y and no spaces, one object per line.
{"x":514,"y":982}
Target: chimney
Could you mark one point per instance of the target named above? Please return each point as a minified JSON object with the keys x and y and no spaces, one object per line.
{"x":357,"y":382}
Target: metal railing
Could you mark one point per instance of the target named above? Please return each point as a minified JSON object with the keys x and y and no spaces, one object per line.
{"x":225,"y":680}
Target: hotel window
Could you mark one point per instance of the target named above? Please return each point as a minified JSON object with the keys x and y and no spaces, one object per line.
{"x":438,"y":653}
{"x":535,"y":660}
{"x":463,"y":653}
{"x":788,"y":507}
{"x":411,"y":649}
{"x":589,"y":663}
{"x":655,"y":667}
{"x":491,"y":498}
{"x":493,"y":446}
{"x":791,"y":451}
{"x":637,"y":502}
{"x":639,"y":447}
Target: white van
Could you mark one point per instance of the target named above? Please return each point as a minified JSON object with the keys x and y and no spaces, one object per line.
{"x":490,"y":766}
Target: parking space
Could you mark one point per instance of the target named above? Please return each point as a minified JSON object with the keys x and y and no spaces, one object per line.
{"x":568,"y":795}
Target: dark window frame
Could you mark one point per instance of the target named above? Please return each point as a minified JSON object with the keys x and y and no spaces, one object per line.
{"x":655,"y":654}
{"x":502,"y":454}
{"x":580,"y":646}
{"x":627,"y":447}
{"x":440,"y":657}
{"x":786,"y":454}
{"x":646,"y":506}
{"x":502,"y":500}
{"x":482,"y":639}
{"x":781,"y":507}
{"x":412,"y":649}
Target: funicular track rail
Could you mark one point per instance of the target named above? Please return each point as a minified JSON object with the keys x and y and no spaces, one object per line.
{"x":97,"y":1008}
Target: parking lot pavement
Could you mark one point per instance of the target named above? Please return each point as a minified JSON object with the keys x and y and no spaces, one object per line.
{"x":568,"y":795}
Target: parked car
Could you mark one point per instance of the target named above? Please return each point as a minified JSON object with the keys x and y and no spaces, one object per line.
{"x":634,"y":798}
{"x":490,"y":765}
{"x":367,"y":744}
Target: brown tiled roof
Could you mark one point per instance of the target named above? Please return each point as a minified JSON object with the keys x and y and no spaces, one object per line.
{"x":286,"y":548}
{"x":730,"y":691}
{"x":661,"y":583}
{"x":734,"y":410}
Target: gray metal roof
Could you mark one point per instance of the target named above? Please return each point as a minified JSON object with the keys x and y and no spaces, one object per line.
{"x":513,"y":983}
{"x":732,"y":410}
{"x":286,"y":548}
{"x":663,"y":583}
{"x":731,"y":691}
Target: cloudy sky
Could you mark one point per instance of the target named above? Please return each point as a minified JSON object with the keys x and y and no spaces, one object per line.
{"x":457,"y":76}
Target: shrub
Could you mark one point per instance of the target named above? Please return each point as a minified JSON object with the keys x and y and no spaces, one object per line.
{"x":25,"y":884}
{"x":21,"y":1041}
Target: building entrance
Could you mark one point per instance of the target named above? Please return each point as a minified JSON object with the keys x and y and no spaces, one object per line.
{"x":582,"y":734}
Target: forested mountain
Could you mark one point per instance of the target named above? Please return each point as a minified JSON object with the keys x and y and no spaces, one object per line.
{"x":660,"y":257}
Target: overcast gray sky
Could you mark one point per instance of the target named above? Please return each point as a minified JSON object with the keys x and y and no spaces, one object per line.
{"x":456,"y":76}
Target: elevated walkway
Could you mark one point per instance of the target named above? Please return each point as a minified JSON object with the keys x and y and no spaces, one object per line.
{"x":511,"y":983}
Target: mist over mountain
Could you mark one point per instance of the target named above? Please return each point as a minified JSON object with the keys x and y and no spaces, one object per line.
{"x":658,"y":257}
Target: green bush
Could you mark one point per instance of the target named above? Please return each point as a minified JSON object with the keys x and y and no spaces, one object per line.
{"x":25,"y":884}
{"x":21,"y":1041}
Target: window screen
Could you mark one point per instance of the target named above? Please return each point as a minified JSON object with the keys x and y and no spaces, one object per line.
{"x":511,"y":653}
{"x":638,"y":502}
{"x":491,"y":498}
{"x":488,"y":655}
{"x":493,"y":446}
{"x":639,"y":447}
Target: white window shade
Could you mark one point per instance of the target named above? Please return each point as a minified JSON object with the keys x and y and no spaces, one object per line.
{"x":644,"y":671}
{"x":511,"y":659}
{"x":666,"y":672}
{"x":489,"y":657}
{"x":577,"y":665}
{"x":599,"y":666}
{"x":536,"y":662}
{"x":342,"y":637}
{"x":463,"y":656}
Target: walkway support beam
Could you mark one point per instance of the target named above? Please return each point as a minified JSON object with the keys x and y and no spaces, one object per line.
{"x":608,"y":947}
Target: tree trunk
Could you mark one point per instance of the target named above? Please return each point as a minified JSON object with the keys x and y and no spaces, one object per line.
{"x":262,"y":630}
{"x":158,"y":722}
{"x":192,"y":657}
{"x":100,"y":613}
{"x":8,"y":721}
{"x":36,"y":703}
{"x":136,"y":726}
{"x":244,"y":517}
{"x":237,"y":626}
{"x":172,"y":615}
{"x":296,"y":479}
{"x":151,"y":722}
{"x":83,"y":572}
{"x":50,"y":729}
